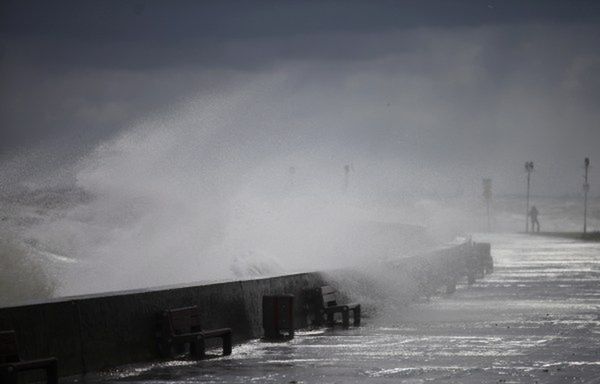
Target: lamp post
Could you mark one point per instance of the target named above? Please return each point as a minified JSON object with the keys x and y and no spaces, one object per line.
{"x":586,"y":188}
{"x":487,"y":195}
{"x":347,"y":169}
{"x":528,"y":169}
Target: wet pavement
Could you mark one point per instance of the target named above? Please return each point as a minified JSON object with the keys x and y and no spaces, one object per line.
{"x":535,"y":320}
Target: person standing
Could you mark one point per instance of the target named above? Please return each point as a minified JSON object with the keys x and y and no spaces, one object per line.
{"x":533,"y":213}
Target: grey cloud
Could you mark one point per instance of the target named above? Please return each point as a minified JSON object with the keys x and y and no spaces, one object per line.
{"x":466,"y":83}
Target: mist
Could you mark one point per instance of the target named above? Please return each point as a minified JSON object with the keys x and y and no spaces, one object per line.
{"x":222,"y":156}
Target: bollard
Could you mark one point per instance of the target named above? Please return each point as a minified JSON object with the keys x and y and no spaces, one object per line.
{"x":473,"y":265}
{"x":451,"y":285}
{"x":278,"y":317}
{"x":484,"y":255}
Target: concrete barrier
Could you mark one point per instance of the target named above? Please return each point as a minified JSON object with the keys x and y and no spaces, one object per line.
{"x":91,"y":333}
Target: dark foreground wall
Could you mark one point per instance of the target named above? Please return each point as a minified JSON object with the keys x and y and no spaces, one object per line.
{"x":94,"y":333}
{"x":91,"y":333}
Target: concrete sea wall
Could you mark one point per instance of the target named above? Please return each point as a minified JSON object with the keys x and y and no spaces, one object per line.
{"x":91,"y":333}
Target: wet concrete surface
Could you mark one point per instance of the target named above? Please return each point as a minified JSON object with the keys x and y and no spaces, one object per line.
{"x":535,"y":320}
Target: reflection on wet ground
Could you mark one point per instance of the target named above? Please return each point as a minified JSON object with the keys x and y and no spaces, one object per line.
{"x":536,"y":319}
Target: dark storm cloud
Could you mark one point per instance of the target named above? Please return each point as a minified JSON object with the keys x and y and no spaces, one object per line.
{"x":142,"y":20}
{"x":73,"y":73}
{"x":137,"y":34}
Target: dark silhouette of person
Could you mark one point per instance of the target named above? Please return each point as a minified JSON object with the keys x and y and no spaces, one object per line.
{"x":534,"y":219}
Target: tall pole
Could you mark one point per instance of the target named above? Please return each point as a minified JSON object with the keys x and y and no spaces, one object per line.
{"x":586,"y":188}
{"x":487,"y":195}
{"x":528,"y":169}
{"x":346,"y":177}
{"x":489,"y":224}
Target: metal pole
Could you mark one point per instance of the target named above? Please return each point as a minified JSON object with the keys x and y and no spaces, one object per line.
{"x":527,"y":206}
{"x":487,"y":195}
{"x":528,"y":168}
{"x":586,"y":188}
{"x":346,"y":176}
{"x":489,"y":224}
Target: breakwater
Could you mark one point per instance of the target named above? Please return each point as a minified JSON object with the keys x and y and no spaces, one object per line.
{"x":92,"y":333}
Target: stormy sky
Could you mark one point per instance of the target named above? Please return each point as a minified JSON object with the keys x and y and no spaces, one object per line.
{"x":464,"y":88}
